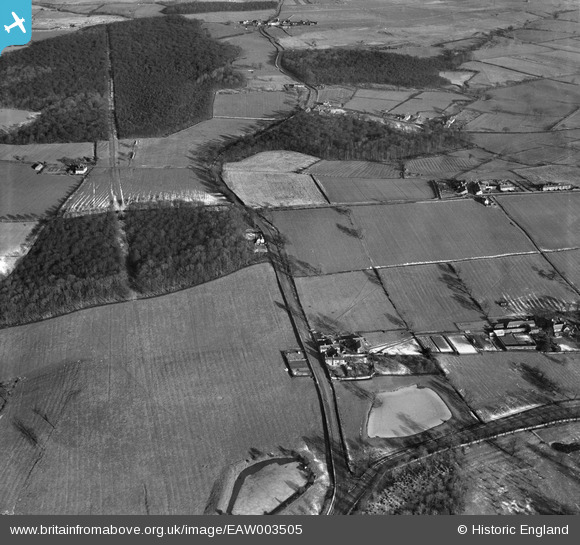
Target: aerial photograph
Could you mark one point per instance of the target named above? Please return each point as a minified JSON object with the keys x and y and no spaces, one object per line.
{"x":290,"y":257}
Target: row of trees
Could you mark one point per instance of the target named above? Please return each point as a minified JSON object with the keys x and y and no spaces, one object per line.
{"x":165,"y":71}
{"x":356,"y":66}
{"x":65,"y":79}
{"x":211,"y":7}
{"x":344,"y":137}
{"x":78,"y":262}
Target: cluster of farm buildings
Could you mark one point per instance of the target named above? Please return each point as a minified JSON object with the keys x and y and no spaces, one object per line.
{"x":276,"y":22}
{"x":350,"y":356}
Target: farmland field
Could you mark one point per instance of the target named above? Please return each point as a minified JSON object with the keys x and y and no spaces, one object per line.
{"x":551,"y":220}
{"x":10,"y":118}
{"x":179,"y":150}
{"x":321,"y":240}
{"x":552,"y":173}
{"x":370,"y":105}
{"x":274,"y":189}
{"x":346,"y":302}
{"x":361,"y":190}
{"x":489,"y":74}
{"x":429,"y":297}
{"x":24,"y":192}
{"x":504,"y":122}
{"x":441,"y":165}
{"x":354,"y":169}
{"x":181,"y":383}
{"x":273,"y":161}
{"x":527,"y":283}
{"x":49,"y":153}
{"x":139,"y":185}
{"x":436,"y":232}
{"x":568,"y":264}
{"x":253,"y":105}
{"x":12,"y":237}
{"x":496,"y":384}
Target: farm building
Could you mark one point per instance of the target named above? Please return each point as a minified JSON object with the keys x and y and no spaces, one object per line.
{"x":297,"y":363}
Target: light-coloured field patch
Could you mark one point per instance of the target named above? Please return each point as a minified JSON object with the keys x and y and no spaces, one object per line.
{"x":231,"y":16}
{"x":457,"y":77}
{"x":335,"y":94}
{"x":131,"y":10}
{"x":506,"y":48}
{"x":441,"y":165}
{"x":273,"y":161}
{"x":342,"y":190}
{"x":552,"y":173}
{"x":429,"y":297}
{"x":271,"y":485}
{"x":370,"y":105}
{"x":535,"y":68}
{"x":321,"y":240}
{"x":143,"y":372}
{"x":406,"y":412}
{"x":489,"y":74}
{"x":274,"y":189}
{"x":50,"y":153}
{"x":504,"y":122}
{"x":355,"y":169}
{"x":13,"y":245}
{"x":24,"y":192}
{"x":49,"y":19}
{"x":516,"y":285}
{"x":254,"y":105}
{"x":389,"y":95}
{"x":496,"y":384}
{"x":179,"y":150}
{"x":435,"y":232}
{"x":429,"y":103}
{"x":568,"y":264}
{"x":346,"y":303}
{"x":552,"y":220}
{"x":11,"y":118}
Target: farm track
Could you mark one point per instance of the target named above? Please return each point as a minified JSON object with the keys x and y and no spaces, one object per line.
{"x":349,"y":497}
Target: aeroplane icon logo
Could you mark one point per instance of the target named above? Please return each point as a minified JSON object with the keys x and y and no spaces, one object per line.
{"x":15,"y":22}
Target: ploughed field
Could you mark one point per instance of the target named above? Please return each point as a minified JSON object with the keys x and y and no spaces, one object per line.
{"x":140,"y":405}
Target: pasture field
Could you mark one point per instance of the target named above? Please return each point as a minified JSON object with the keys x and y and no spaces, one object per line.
{"x":320,"y":241}
{"x":441,"y":165}
{"x":551,"y":220}
{"x":429,"y":298}
{"x":542,"y":156}
{"x":429,"y":103}
{"x":388,"y":95}
{"x":527,"y":283}
{"x":48,"y":153}
{"x":552,"y":173}
{"x":436,"y":231}
{"x":370,"y":105}
{"x":273,"y":161}
{"x":187,"y":384}
{"x":335,"y":94}
{"x":24,"y":192}
{"x":180,"y":149}
{"x":354,"y":169}
{"x":230,"y":16}
{"x":131,"y":10}
{"x":571,"y":121}
{"x":489,"y":74}
{"x":496,"y":384}
{"x":504,"y":122}
{"x":523,"y":474}
{"x":568,"y":264}
{"x":364,"y":190}
{"x":274,"y":189}
{"x":346,"y":303}
{"x":254,"y":105}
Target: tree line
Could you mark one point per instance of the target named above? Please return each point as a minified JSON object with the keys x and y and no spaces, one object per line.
{"x":343,"y":137}
{"x":359,"y":66}
{"x":212,"y":7}
{"x":78,"y":262}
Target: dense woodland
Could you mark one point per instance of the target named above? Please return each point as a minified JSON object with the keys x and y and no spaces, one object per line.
{"x":212,"y":7}
{"x":344,"y":137}
{"x":433,"y":486}
{"x":176,"y":247}
{"x":165,"y":71}
{"x":75,"y":262}
{"x":356,"y":66}
{"x":65,"y":79}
